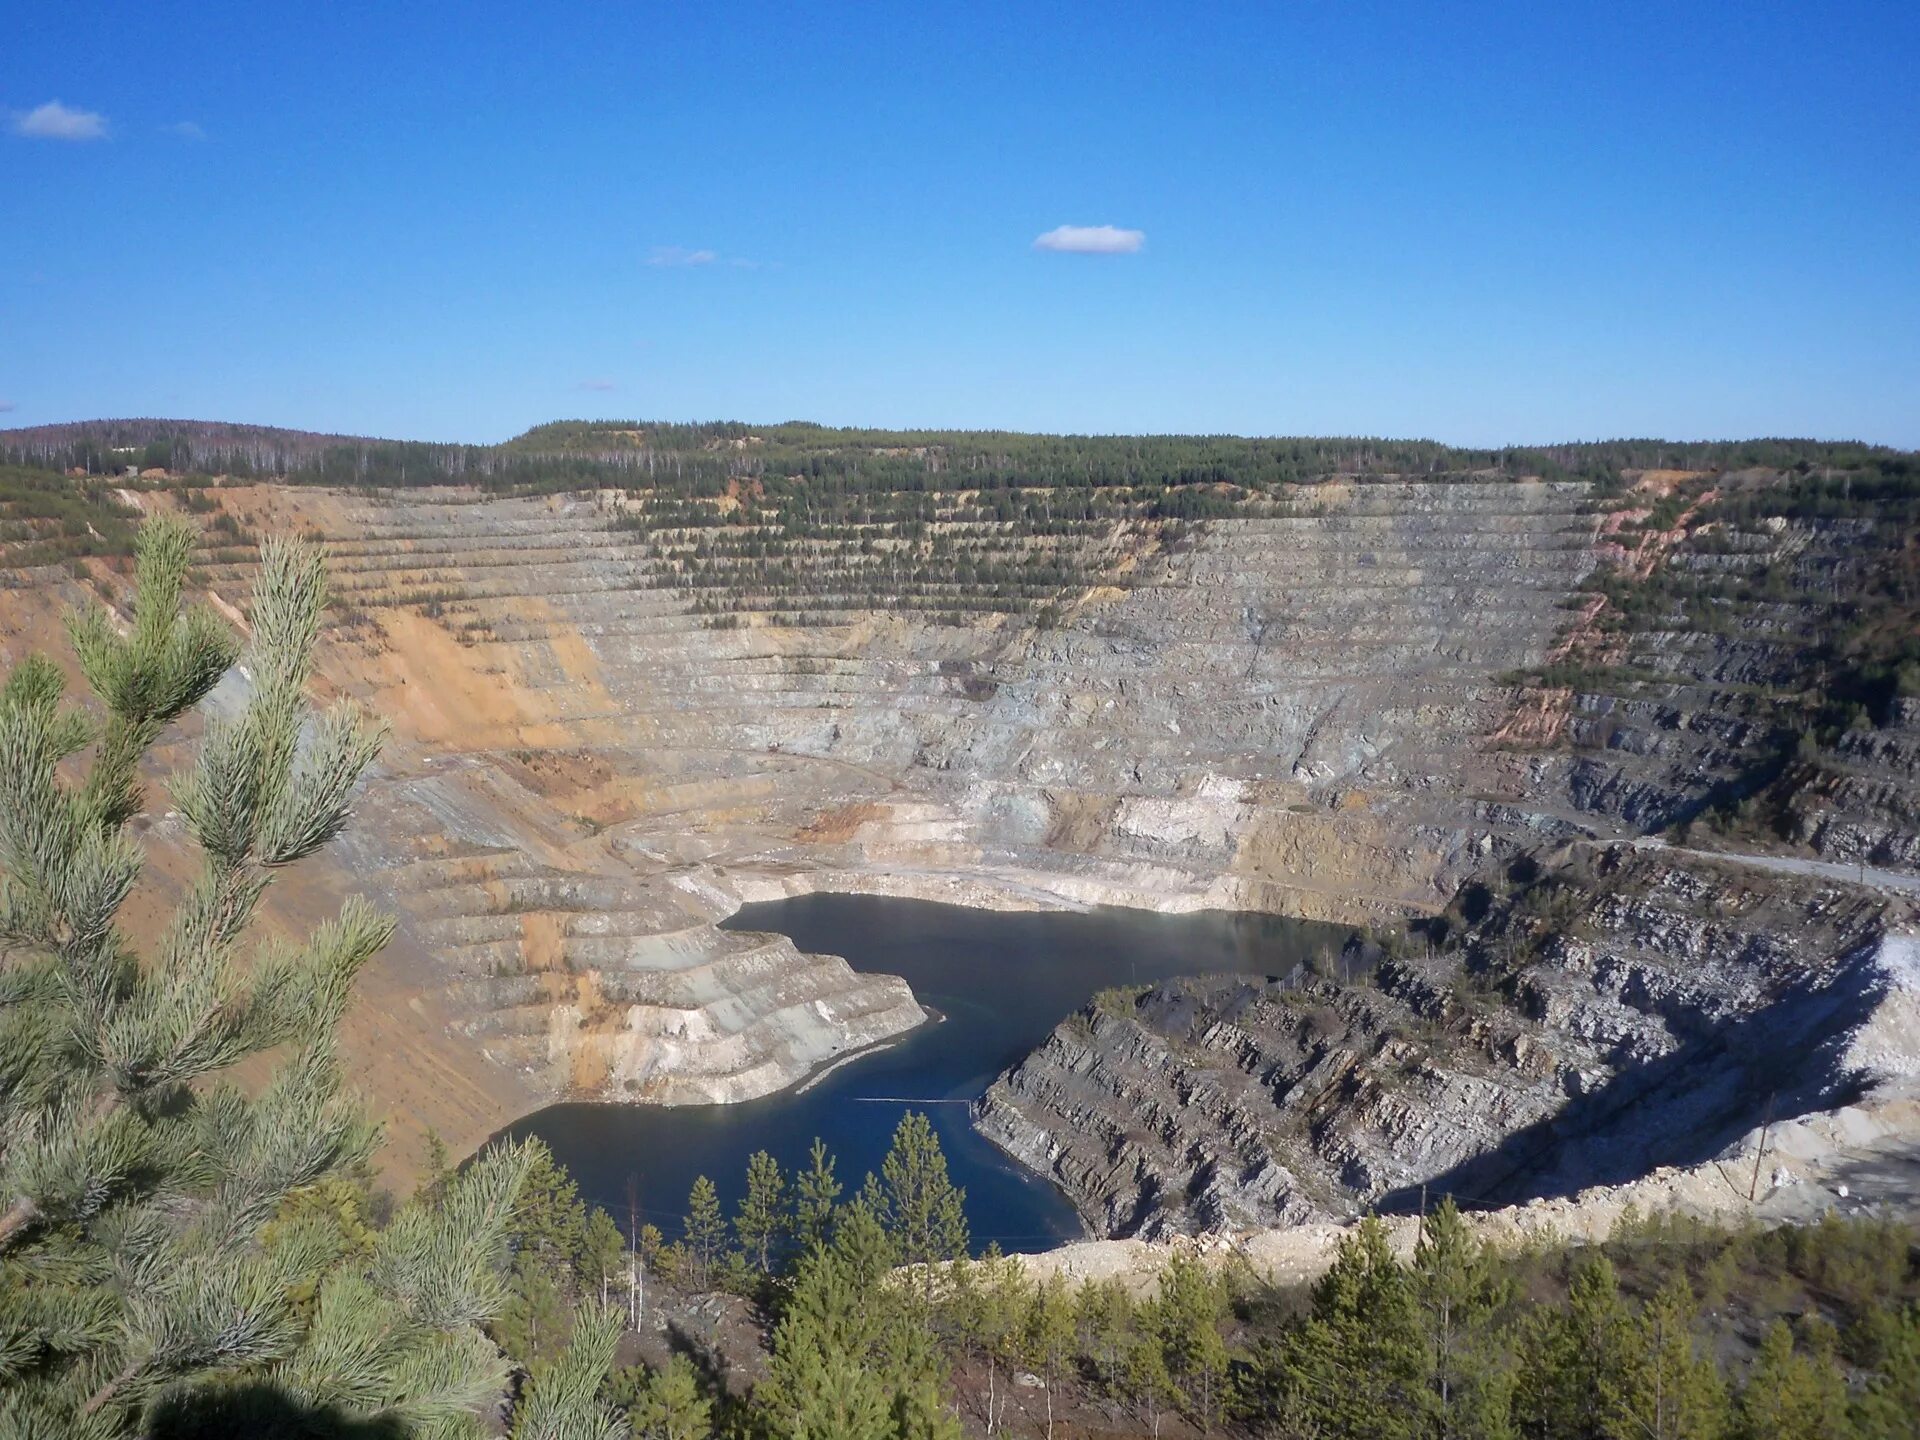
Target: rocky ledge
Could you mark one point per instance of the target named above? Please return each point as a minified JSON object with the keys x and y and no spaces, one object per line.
{"x":1620,"y":1012}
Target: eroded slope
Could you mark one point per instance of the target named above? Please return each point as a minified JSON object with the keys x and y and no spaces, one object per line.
{"x":1628,"y":1010}
{"x":1308,"y":706}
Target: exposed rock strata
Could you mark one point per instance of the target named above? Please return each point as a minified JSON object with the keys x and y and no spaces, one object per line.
{"x":1861,"y":1159}
{"x":1682,"y":1003}
{"x":1283,"y":714}
{"x":1302,"y":714}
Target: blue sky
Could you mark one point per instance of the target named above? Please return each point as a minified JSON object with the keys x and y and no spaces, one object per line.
{"x":1482,"y":223}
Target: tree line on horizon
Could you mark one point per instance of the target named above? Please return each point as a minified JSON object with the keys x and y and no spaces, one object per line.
{"x":700,"y":459}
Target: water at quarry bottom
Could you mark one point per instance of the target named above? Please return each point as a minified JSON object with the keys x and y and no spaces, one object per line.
{"x":1001,"y":981}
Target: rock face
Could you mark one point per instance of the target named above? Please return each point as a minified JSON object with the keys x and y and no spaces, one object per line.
{"x":1688,"y":1002}
{"x":1868,"y":812}
{"x":1303,"y":713}
{"x":1279,"y":714}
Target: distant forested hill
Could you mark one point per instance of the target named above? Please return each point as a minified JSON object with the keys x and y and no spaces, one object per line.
{"x":703,"y":460}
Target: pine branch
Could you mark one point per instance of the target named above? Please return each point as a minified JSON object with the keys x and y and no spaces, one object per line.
{"x":563,"y":1402}
{"x":151,"y":1232}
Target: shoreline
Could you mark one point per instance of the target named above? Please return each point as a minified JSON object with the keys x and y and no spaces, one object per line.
{"x":727,"y":894}
{"x":934,"y":1017}
{"x":1156,"y":889}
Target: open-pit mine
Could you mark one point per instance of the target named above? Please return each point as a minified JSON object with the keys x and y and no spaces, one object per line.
{"x":1607,"y":769}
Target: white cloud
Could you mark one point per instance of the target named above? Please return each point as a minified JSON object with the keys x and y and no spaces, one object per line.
{"x":54,"y":121}
{"x":677,"y":256}
{"x":185,"y":130}
{"x":7,"y":407}
{"x":1091,"y":240}
{"x":598,"y":386}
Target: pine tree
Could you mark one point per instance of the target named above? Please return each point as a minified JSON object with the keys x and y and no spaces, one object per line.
{"x":815,"y":1195}
{"x":1887,"y":1407}
{"x":864,"y":1248}
{"x":1354,"y":1367}
{"x":535,"y":1322}
{"x":550,"y":1219}
{"x":823,"y":1382}
{"x":1792,"y":1396}
{"x":916,"y":1202}
{"x":1149,"y":1384}
{"x":560,"y":1251}
{"x":336,"y":1208}
{"x":961,"y":1312}
{"x":761,"y":1222}
{"x":1104,"y":1316}
{"x":1047,"y":1336}
{"x":852,"y":1357}
{"x":650,"y":1244}
{"x":1005,"y":1290}
{"x":438,"y":1170}
{"x":667,"y":1404}
{"x":1658,"y":1387}
{"x":392,"y":1337}
{"x":819,"y":1385}
{"x":704,"y":1229}
{"x":1192,"y":1304}
{"x":1459,"y":1294}
{"x":160,"y":1271}
{"x":602,"y":1268}
{"x":920,"y":1412}
{"x":1828,"y":1412}
{"x":1567,"y":1356}
{"x":986,"y":1302}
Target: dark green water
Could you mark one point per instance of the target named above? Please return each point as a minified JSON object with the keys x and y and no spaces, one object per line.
{"x":1002,"y":982}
